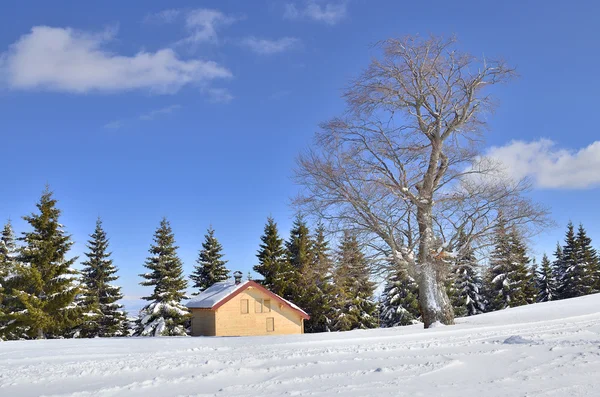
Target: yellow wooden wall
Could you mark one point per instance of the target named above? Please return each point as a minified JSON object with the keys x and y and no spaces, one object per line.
{"x":203,"y":322}
{"x":231,"y":322}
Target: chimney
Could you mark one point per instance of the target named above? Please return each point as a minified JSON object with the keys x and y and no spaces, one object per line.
{"x":237,"y":276}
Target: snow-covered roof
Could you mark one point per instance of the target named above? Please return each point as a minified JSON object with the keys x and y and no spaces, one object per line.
{"x":219,"y":293}
{"x":215,"y":294}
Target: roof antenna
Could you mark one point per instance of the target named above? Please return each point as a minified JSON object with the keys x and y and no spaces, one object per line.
{"x":237,"y":276}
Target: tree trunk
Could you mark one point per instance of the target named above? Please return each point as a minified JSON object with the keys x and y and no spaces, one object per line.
{"x":433,"y":299}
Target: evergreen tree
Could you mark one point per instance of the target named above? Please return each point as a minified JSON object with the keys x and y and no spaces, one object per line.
{"x":299,"y":258}
{"x":272,"y":264}
{"x":99,"y":298}
{"x":211,"y":267}
{"x":545,"y":281}
{"x":44,"y":282}
{"x":319,"y":305}
{"x":508,"y":280}
{"x":165,"y":315}
{"x":577,"y":265}
{"x":355,"y":307}
{"x":467,"y":298}
{"x":400,"y":300}
{"x":558,"y":268}
{"x":587,"y":259}
{"x":8,"y":264}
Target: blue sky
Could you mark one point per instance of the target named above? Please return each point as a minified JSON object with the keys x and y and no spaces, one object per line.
{"x":131,"y":111}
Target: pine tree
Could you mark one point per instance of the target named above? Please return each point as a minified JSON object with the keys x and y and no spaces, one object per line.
{"x":319,"y":304}
{"x":578,"y":264}
{"x":272,"y":263}
{"x":355,"y":307}
{"x":44,"y":282}
{"x":508,"y":280}
{"x":165,"y":315}
{"x":400,"y":300}
{"x":8,"y":265}
{"x":587,"y":259}
{"x":105,"y":317}
{"x":545,"y":281}
{"x":467,"y":298}
{"x":299,"y":258}
{"x":211,"y":267}
{"x":558,"y":268}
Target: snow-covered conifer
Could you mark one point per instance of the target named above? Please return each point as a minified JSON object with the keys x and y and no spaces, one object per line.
{"x":355,"y":307}
{"x":44,"y":283}
{"x":467,"y":297}
{"x":272,"y":263}
{"x":400,"y":300}
{"x":102,"y":315}
{"x":164,"y":315}
{"x":211,"y":266}
{"x":545,"y":281}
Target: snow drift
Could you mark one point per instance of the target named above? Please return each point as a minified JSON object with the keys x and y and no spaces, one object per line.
{"x":547,"y":349}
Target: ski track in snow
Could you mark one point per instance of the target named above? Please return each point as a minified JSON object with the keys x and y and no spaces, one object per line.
{"x":555,"y":351}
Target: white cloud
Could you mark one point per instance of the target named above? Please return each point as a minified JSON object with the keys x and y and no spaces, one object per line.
{"x":548,"y":166}
{"x":62,"y":59}
{"x":165,"y":16}
{"x":329,"y":13}
{"x":154,"y":113}
{"x":219,"y":95}
{"x":268,"y":47}
{"x":114,"y":125}
{"x":202,"y":25}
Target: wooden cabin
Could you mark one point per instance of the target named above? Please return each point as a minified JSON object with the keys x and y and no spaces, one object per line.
{"x":244,"y":308}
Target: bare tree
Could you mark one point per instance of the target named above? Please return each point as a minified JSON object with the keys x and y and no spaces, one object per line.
{"x":402,"y":166}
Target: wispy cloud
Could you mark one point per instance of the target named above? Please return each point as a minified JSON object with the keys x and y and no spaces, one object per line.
{"x":328,"y":13}
{"x":148,"y":116}
{"x":268,"y":47}
{"x":66,"y":60}
{"x":548,"y":166}
{"x":158,"y":112}
{"x":201,"y":24}
{"x":114,"y":125}
{"x":164,"y":16}
{"x":219,"y":95}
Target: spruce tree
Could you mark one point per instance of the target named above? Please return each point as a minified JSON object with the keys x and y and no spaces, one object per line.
{"x":558,"y":268}
{"x":8,"y":265}
{"x":45,"y":283}
{"x":400,"y":300}
{"x":578,"y":264}
{"x":164,"y":315}
{"x":99,"y":298}
{"x":320,"y":288}
{"x":588,"y":263}
{"x":545,"y":281}
{"x":355,"y":307}
{"x":299,"y":258}
{"x":467,"y":298}
{"x":211,"y":267}
{"x":508,"y":280}
{"x":272,"y":263}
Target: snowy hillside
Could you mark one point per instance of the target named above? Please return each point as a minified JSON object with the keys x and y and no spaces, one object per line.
{"x":548,"y":349}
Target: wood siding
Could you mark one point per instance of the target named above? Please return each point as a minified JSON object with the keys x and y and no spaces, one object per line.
{"x":203,"y":322}
{"x":229,"y":321}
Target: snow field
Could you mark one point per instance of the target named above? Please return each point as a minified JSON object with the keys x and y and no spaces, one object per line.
{"x":548,"y":349}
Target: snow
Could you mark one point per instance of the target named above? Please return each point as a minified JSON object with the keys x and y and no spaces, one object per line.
{"x":214,"y":294}
{"x":546,"y":349}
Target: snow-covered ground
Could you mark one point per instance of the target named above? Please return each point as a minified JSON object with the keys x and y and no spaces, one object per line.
{"x":550,"y":349}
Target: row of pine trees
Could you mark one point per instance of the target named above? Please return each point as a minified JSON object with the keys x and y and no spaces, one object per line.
{"x":42,"y":296}
{"x":510,"y":278}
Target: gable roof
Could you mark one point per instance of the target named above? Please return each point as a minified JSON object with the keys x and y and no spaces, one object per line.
{"x":220,"y":293}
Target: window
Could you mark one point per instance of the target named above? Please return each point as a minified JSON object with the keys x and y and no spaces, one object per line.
{"x":267,"y":306}
{"x":270,"y":324}
{"x":258,"y":306}
{"x":244,"y":306}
